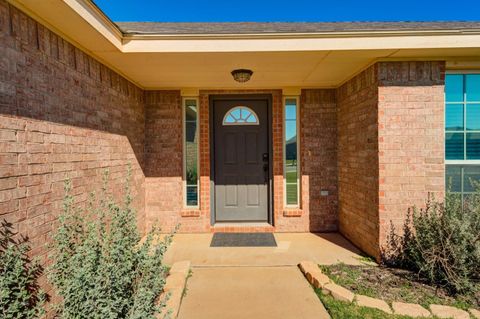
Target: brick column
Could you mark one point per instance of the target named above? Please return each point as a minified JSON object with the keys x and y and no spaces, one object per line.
{"x":357,"y":118}
{"x":390,"y":147}
{"x":411,"y":138}
{"x":318,"y":159}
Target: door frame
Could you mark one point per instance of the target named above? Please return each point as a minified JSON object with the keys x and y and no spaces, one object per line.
{"x":233,"y":97}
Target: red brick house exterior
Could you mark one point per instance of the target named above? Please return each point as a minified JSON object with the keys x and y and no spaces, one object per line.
{"x":370,"y":146}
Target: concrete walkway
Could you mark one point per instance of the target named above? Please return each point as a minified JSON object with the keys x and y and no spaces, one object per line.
{"x":250,"y":292}
{"x":256,"y":282}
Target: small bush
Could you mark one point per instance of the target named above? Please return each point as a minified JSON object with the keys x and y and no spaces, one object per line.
{"x":441,"y":243}
{"x":101,"y":268}
{"x":20,"y":296}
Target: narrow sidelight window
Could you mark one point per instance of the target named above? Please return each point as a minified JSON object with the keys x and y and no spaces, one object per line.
{"x":462,"y":132}
{"x":291,"y":171}
{"x":190,"y":151}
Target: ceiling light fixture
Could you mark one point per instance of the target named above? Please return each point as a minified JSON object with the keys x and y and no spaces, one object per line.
{"x":242,"y":75}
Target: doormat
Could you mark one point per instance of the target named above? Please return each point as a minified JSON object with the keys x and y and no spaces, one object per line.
{"x":243,"y":240}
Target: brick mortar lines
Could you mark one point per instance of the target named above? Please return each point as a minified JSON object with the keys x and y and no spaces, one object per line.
{"x":63,"y":115}
{"x":76,"y":99}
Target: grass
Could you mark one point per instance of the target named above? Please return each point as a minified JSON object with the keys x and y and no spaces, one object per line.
{"x":394,"y":285}
{"x":185,"y":289}
{"x":342,"y":310}
{"x":291,"y":177}
{"x":367,"y":260}
{"x":292,"y":197}
{"x":290,"y":162}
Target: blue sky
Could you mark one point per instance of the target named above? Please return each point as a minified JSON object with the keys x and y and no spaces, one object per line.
{"x":290,"y":11}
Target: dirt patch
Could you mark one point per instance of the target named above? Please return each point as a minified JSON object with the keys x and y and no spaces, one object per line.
{"x":392,"y":284}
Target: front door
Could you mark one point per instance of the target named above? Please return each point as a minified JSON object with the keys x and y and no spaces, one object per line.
{"x":241,"y":160}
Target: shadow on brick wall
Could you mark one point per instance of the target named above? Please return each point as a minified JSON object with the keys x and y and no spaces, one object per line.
{"x":46,"y":78}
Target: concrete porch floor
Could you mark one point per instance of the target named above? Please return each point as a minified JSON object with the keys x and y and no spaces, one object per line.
{"x":292,"y":248}
{"x":256,"y":282}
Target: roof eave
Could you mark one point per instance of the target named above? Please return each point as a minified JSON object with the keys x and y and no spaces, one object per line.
{"x":283,"y":35}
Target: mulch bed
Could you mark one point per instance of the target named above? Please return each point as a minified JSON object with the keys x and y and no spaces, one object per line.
{"x":392,"y":284}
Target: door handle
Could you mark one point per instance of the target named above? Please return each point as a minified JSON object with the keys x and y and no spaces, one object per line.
{"x":265,"y":157}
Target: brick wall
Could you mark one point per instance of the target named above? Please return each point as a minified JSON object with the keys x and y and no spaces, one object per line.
{"x":62,"y":115}
{"x":318,"y":143}
{"x":411,"y":137}
{"x":375,"y":144}
{"x":282,"y":222}
{"x":358,"y":160}
{"x":164,"y":196}
{"x":390,"y":147}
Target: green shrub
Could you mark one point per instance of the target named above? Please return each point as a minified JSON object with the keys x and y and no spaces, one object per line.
{"x":191,"y":174}
{"x":20,"y":296}
{"x":441,"y":243}
{"x":101,"y":268}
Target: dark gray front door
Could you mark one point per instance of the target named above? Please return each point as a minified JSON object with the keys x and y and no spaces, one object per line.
{"x":241,"y":160}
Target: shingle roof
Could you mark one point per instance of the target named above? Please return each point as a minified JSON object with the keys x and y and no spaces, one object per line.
{"x":286,"y":27}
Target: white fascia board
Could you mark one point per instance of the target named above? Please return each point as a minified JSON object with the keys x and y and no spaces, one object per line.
{"x":300,"y":44}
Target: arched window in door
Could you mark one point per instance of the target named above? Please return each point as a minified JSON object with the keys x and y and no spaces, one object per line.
{"x":240,"y":115}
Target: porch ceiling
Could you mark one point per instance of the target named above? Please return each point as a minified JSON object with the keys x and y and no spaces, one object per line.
{"x":271,"y":69}
{"x":159,"y":61}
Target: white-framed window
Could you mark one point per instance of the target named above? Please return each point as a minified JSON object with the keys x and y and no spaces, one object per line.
{"x":191,"y":136}
{"x":291,"y":141}
{"x":462,"y":131}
